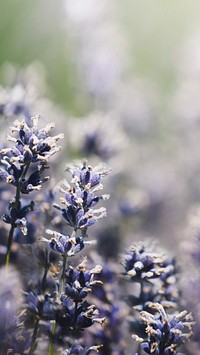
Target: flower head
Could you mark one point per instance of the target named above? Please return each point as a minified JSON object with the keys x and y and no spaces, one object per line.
{"x":79,"y":281}
{"x":81,"y":197}
{"x":142,"y":263}
{"x":32,"y":145}
{"x":65,"y":244}
{"x":165,"y":333}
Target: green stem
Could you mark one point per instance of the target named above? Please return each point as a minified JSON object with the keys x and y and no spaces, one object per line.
{"x":34,"y":336}
{"x":51,"y":345}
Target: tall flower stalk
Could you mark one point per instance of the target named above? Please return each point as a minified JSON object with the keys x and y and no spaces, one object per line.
{"x":24,"y":162}
{"x":81,"y":196}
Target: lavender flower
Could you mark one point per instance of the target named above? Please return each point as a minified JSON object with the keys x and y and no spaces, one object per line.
{"x":79,"y":281}
{"x":153,"y":280}
{"x":74,"y":317}
{"x":142,"y":263}
{"x":64,"y":244}
{"x":165,"y":333}
{"x":32,"y":146}
{"x":42,"y":306}
{"x":81,"y":197}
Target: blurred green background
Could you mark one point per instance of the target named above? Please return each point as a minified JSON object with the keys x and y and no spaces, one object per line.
{"x":155,"y":32}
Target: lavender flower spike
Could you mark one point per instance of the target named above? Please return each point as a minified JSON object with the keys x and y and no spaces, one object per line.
{"x":165,"y":333}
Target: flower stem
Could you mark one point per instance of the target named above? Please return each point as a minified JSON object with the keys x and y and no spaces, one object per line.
{"x":10,"y":238}
{"x":34,"y":336}
{"x":51,"y":345}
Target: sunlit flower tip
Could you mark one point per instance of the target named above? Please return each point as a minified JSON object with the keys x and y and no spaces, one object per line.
{"x":137,"y":338}
{"x":21,"y":223}
{"x":4,"y":176}
{"x":106,"y":197}
{"x":96,"y":188}
{"x":101,"y":321}
{"x":101,"y":211}
{"x":96,"y":270}
{"x":82,"y":265}
{"x":5,"y":151}
{"x":96,"y":348}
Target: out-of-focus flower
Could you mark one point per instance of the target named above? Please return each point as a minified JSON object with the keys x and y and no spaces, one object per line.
{"x":142,"y":263}
{"x":101,"y":135}
{"x":165,"y":333}
{"x":101,"y":48}
{"x":12,"y":335}
{"x":23,"y":95}
{"x":41,"y":306}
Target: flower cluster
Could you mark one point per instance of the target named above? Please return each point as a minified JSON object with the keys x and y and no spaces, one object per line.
{"x":165,"y":333}
{"x":154,"y":272}
{"x":32,"y":145}
{"x":142,"y":263}
{"x":22,"y":166}
{"x":153,"y":279}
{"x":62,"y":307}
{"x":81,"y":196}
{"x":79,"y":281}
{"x":66,"y":244}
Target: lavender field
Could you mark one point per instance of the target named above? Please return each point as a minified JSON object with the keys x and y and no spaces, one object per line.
{"x":99,"y":178}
